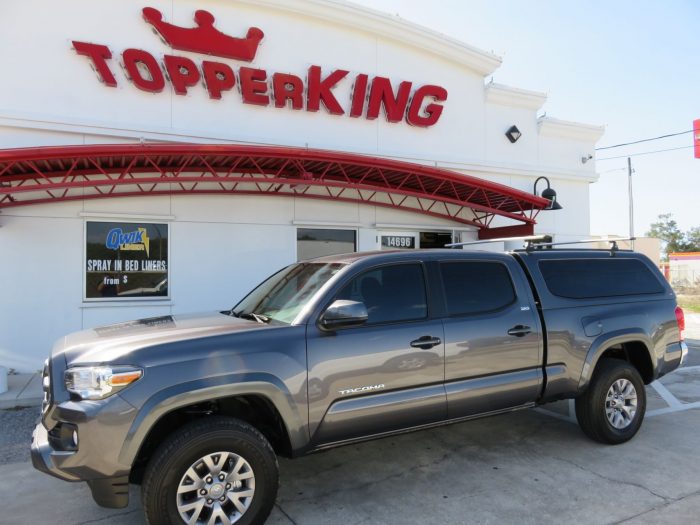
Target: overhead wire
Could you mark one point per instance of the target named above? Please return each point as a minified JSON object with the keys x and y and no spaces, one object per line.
{"x":645,"y":140}
{"x":645,"y":153}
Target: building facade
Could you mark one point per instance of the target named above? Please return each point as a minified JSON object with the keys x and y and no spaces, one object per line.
{"x":161,"y":158}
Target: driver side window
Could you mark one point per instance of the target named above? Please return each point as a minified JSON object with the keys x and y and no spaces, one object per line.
{"x":390,"y":293}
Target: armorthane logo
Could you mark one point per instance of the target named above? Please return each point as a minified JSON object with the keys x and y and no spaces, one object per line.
{"x":136,"y":240}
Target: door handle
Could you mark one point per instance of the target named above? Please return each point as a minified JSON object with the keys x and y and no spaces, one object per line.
{"x":426,"y":342}
{"x":519,"y":330}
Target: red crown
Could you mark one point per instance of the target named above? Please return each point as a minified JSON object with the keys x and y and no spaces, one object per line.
{"x":204,"y":38}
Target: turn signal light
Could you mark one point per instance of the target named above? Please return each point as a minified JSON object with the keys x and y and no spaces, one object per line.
{"x":125,"y":378}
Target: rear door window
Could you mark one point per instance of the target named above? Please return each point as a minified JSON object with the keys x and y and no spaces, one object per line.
{"x":473,"y":287}
{"x":589,"y":278}
{"x":390,"y":293}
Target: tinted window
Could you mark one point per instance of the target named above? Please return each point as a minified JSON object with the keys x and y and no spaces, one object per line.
{"x":587,"y":278}
{"x":390,"y":293}
{"x":317,"y":242}
{"x":473,"y":287}
{"x":434,"y":240}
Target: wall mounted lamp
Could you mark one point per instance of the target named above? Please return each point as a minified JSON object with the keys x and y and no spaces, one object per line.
{"x":513,"y":134}
{"x":549,"y":194}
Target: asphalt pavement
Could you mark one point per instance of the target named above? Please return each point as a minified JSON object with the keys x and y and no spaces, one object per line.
{"x":527,"y":467}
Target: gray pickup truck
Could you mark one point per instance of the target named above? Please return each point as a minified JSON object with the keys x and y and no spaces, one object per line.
{"x":323,"y":353}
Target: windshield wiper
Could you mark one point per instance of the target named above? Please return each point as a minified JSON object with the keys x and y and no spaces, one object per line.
{"x":260,"y":318}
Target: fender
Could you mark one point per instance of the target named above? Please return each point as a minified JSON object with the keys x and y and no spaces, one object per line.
{"x":208,"y":389}
{"x":605,"y":341}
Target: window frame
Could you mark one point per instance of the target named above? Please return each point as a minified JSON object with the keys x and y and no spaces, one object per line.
{"x":481,"y":312}
{"x":159,"y":300}
{"x":297,"y":227}
{"x":360,"y":273}
{"x":616,"y":297}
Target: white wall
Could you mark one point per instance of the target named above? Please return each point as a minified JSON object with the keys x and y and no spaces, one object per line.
{"x":221,"y":245}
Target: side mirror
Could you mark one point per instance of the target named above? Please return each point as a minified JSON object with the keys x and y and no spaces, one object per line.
{"x":343,"y":313}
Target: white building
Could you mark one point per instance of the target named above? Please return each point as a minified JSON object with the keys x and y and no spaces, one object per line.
{"x":105,"y":84}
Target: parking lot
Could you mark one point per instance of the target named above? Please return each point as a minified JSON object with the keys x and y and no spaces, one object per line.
{"x":528,"y":467}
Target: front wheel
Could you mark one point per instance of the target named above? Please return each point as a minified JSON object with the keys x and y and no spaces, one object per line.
{"x":612,"y":408}
{"x":214,"y":471}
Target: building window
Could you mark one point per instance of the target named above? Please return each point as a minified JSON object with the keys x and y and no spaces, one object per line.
{"x":317,"y":242}
{"x":431,"y":240}
{"x":126,"y":260}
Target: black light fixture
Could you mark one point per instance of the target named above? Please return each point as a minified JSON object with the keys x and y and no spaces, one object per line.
{"x":549,"y":194}
{"x":513,"y":134}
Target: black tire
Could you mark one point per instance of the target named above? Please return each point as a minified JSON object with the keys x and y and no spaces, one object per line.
{"x":208,"y":435}
{"x":591,"y":405}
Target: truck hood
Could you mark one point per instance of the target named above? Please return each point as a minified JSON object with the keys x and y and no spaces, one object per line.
{"x":110,"y":343}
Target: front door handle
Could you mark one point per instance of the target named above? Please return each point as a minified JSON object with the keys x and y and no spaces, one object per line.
{"x":426,"y":342}
{"x":519,"y":330}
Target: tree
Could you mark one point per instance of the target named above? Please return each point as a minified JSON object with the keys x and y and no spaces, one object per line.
{"x":693,"y":238}
{"x":672,"y":238}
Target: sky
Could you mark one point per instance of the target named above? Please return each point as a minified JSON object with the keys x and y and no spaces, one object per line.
{"x":633,"y":66}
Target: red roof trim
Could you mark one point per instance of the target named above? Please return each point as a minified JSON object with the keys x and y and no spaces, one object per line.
{"x":64,"y":173}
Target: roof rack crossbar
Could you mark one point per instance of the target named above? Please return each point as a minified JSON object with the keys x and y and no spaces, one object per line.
{"x":613,"y":248}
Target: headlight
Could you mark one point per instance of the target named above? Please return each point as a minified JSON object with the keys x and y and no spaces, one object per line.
{"x":98,"y":382}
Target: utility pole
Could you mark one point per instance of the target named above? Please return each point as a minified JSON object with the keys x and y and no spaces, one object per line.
{"x":631,"y":199}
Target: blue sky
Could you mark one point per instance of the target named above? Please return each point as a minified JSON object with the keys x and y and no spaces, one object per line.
{"x":631,"y":65}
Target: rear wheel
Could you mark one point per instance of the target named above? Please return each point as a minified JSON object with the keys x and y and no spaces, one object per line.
{"x":612,"y":409}
{"x":215,"y":471}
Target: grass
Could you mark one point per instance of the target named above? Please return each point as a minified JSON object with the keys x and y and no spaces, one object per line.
{"x":689,"y":303}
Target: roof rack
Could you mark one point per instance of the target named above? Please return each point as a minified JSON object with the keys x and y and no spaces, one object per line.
{"x":613,"y":248}
{"x":528,"y":238}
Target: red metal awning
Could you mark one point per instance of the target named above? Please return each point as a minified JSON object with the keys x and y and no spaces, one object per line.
{"x":63,"y":173}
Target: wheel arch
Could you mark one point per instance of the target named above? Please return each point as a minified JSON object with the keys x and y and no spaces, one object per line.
{"x":259,"y":402}
{"x":633,"y":346}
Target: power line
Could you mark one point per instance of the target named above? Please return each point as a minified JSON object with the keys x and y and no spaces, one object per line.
{"x":645,"y":140}
{"x":645,"y":153}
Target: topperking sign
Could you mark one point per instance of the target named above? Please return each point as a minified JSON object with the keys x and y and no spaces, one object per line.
{"x":417,"y":105}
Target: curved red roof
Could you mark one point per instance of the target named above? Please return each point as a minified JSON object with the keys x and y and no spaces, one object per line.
{"x":52,"y":174}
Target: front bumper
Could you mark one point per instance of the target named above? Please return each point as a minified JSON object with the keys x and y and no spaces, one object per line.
{"x":102,"y":428}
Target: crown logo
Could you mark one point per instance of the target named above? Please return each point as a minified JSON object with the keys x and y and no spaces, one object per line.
{"x":204,"y":38}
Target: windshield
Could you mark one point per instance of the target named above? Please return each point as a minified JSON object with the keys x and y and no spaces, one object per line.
{"x":282,"y":296}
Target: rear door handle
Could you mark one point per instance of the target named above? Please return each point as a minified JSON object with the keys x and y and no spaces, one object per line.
{"x":426,"y":342}
{"x":519,"y":330}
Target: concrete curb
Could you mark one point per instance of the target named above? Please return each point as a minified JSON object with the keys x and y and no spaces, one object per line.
{"x":24,"y":390}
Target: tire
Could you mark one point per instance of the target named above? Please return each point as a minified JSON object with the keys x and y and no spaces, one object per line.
{"x":608,"y":419}
{"x":235,"y":448}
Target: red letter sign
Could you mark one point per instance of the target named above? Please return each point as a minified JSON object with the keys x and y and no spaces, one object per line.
{"x":288,"y":87}
{"x":359,"y":95}
{"x":253,"y":86}
{"x":217,"y":78}
{"x":381,"y":93}
{"x":432,"y":111}
{"x":696,"y":138}
{"x":320,"y":90}
{"x":182,"y":71}
{"x":99,"y":55}
{"x":132,"y":58}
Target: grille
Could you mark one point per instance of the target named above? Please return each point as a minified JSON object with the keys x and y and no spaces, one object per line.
{"x":46,"y":387}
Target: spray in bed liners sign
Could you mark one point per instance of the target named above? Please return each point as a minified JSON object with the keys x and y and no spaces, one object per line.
{"x":126,"y":260}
